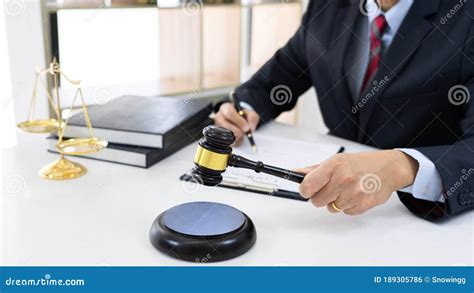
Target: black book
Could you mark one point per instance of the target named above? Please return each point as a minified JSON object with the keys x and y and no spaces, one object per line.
{"x":144,"y":157}
{"x":155,"y":122}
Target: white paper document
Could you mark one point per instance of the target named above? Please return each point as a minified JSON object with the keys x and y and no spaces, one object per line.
{"x":279,"y":152}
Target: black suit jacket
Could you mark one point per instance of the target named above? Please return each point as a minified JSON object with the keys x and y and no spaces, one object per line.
{"x":407,"y":105}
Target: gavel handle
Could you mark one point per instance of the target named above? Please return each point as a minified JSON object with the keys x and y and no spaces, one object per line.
{"x":241,"y":162}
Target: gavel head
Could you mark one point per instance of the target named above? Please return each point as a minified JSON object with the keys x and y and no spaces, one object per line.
{"x":212,"y":155}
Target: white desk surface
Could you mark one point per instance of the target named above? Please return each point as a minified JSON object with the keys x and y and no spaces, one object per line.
{"x":103,"y":218}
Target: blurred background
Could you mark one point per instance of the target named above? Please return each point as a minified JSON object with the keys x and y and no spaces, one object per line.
{"x":165,"y":47}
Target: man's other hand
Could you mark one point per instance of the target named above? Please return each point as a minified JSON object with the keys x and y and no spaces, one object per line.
{"x":228,"y":117}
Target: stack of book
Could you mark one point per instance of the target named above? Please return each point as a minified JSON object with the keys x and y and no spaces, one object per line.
{"x":141,"y":130}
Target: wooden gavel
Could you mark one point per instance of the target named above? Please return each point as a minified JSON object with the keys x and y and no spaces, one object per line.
{"x":214,"y":155}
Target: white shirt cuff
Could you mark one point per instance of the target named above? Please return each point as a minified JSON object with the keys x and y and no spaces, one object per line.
{"x":246,"y":106}
{"x":428,"y":184}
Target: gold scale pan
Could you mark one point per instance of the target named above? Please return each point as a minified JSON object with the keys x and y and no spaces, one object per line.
{"x":62,"y":168}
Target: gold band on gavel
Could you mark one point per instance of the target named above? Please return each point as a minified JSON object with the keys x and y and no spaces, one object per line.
{"x":211,"y":160}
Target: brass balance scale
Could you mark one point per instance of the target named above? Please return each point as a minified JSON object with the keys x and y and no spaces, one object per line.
{"x":63,"y":168}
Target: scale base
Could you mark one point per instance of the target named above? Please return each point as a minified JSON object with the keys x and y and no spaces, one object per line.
{"x":62,"y":169}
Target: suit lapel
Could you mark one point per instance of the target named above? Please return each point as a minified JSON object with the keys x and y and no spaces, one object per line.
{"x":341,"y":37}
{"x":351,"y":57}
{"x":409,"y":38}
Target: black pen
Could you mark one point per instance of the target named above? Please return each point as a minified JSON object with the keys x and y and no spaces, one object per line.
{"x":241,"y":112}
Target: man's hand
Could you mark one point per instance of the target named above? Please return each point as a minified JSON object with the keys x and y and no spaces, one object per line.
{"x":228,"y":117}
{"x":358,"y":182}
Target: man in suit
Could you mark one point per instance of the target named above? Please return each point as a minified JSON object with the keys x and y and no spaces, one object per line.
{"x":394,"y":74}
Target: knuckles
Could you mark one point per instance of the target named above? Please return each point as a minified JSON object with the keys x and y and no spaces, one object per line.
{"x":349,"y":178}
{"x":226,"y":109}
{"x":218,"y":117}
{"x":357,"y":192}
{"x":338,"y":159}
{"x":317,"y":202}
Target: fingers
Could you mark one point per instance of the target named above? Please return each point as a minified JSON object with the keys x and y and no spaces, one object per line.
{"x":306,"y":170}
{"x":326,"y":195}
{"x":231,"y":115}
{"x":362,"y":206}
{"x":219,"y":120}
{"x":315,"y":180}
{"x":344,"y":202}
{"x":253,"y":119}
{"x":228,"y":117}
{"x":331,"y":209}
{"x":357,"y":210}
{"x":352,"y":207}
{"x":336,"y":184}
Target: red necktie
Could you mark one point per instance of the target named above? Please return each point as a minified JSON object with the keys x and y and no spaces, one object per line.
{"x":377,"y":30}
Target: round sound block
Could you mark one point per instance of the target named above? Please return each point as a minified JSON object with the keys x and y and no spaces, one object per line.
{"x":203,"y":232}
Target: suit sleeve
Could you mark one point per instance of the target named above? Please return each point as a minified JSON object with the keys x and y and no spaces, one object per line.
{"x":276,"y":86}
{"x":455,"y":163}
